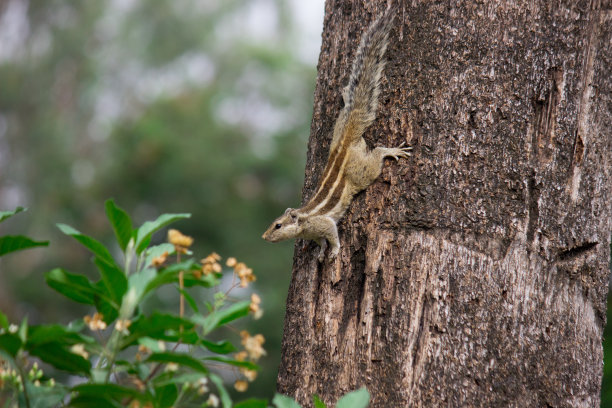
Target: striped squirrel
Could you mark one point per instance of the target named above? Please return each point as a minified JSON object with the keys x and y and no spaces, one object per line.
{"x":350,"y":166}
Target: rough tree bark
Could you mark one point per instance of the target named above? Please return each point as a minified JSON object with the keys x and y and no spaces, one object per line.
{"x":474,"y":273}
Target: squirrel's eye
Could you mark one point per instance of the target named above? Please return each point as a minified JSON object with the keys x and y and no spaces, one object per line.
{"x":277,"y":226}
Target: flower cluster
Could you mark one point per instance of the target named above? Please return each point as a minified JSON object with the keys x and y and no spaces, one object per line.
{"x":253,"y":351}
{"x":244,"y":273}
{"x":159,"y":261}
{"x":254,"y":306}
{"x":142,"y":352}
{"x":138,"y":404}
{"x":95,"y":322}
{"x":122,"y":325}
{"x":211,"y":264}
{"x":181,"y":242}
{"x":79,"y":349}
{"x":11,"y":377}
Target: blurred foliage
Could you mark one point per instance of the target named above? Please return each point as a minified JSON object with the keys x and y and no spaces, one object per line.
{"x":167,"y":106}
{"x":159,"y":360}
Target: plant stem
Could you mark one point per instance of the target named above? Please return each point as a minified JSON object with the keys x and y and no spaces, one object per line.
{"x":182,"y":297}
{"x":181,"y":287}
{"x":23,"y":382}
{"x":112,"y":343}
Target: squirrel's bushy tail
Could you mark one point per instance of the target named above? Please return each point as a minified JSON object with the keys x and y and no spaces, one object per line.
{"x":361,"y":93}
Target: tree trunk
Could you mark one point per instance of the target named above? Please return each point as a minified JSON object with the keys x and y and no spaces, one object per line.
{"x":476,"y":272}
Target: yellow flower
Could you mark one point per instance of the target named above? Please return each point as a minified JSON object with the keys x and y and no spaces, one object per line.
{"x":231,"y":262}
{"x":79,"y":349}
{"x":241,"y":385}
{"x":136,"y":404}
{"x":122,"y":325}
{"x":253,"y":344}
{"x":241,"y":356}
{"x":160,"y":260}
{"x":95,"y":322}
{"x":181,"y":242}
{"x":244,"y":273}
{"x":250,"y":375}
{"x":211,"y":264}
{"x":171,"y":367}
{"x":254,"y":306}
{"x":142,"y":352}
{"x":213,"y":401}
{"x":202,"y":385}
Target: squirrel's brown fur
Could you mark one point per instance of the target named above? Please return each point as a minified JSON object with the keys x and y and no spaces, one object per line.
{"x":350,"y":167}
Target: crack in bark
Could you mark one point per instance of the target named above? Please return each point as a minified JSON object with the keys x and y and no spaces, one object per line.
{"x":533,"y":210}
{"x":577,"y":251}
{"x":354,"y":290}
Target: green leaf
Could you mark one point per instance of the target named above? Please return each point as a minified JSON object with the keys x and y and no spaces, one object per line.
{"x":166,"y":395}
{"x":42,"y":334}
{"x":22,"y":331}
{"x":243,"y":364}
{"x":317,"y":402}
{"x":170,"y":274}
{"x":88,"y":401}
{"x":8,"y":214}
{"x":355,"y":399}
{"x":10,"y":343}
{"x":105,"y":390}
{"x":222,"y":347}
{"x":161,"y":326}
{"x":158,"y":250}
{"x":57,"y":355}
{"x":138,"y":282}
{"x":104,"y":304}
{"x":171,"y":378}
{"x":282,"y":401}
{"x":144,"y":233}
{"x":74,"y":287}
{"x":179,"y":358}
{"x":149,"y":343}
{"x":252,"y":403}
{"x":220,"y":317}
{"x":226,"y":401}
{"x":4,"y":323}
{"x":45,"y":397}
{"x":121,"y":223}
{"x":115,"y":281}
{"x":92,"y":244}
{"x":190,"y":300}
{"x":207,"y":281}
{"x":12,"y":243}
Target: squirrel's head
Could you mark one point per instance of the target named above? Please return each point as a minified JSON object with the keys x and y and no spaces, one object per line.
{"x":284,"y":227}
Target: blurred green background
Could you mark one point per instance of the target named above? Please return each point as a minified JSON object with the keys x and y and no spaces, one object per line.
{"x":196,"y":106}
{"x":199,"y":106}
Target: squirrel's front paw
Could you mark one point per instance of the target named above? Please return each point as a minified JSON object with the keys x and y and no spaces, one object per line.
{"x":333,"y":254}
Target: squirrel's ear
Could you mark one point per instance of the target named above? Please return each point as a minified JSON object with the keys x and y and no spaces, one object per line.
{"x":292,"y":213}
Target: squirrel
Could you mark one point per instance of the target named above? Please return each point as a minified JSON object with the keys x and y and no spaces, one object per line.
{"x":350,"y":166}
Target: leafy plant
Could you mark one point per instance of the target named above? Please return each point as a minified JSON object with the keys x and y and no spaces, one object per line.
{"x":122,"y":356}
